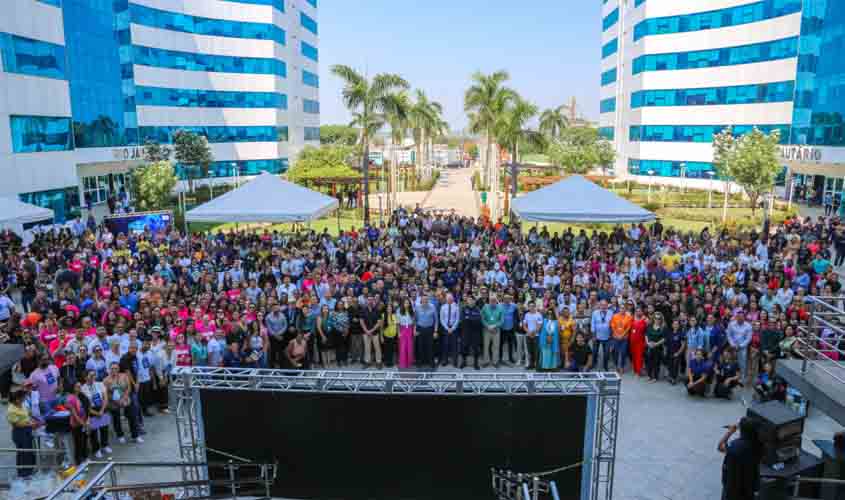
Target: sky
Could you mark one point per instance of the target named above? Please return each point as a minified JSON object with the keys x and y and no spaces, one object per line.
{"x":551,"y":48}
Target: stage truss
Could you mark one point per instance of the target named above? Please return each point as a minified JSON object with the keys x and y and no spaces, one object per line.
{"x":187,"y":382}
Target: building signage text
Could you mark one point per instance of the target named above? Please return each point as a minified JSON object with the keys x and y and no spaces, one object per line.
{"x":800,"y":153}
{"x":130,"y":153}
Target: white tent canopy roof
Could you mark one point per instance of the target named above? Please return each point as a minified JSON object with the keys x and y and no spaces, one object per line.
{"x":14,"y":212}
{"x":266,"y":198}
{"x":575,"y":199}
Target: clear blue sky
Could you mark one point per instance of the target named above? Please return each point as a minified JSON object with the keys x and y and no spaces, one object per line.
{"x":551,"y":48}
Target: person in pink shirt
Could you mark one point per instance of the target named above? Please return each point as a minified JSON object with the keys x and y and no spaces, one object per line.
{"x":57,"y":347}
{"x":45,"y":379}
{"x":48,"y":331}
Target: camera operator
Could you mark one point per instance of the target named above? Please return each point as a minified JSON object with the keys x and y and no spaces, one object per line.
{"x":741,"y":467}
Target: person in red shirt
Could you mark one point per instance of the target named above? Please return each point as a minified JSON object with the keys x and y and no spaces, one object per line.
{"x":57,"y":347}
{"x":636,"y":341}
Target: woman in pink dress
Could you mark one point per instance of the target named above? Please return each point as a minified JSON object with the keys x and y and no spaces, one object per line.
{"x":405,"y":322}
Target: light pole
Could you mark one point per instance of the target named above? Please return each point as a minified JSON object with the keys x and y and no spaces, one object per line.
{"x":650,"y":182}
{"x":710,"y":174}
{"x":237,"y":172}
{"x":683,"y":177}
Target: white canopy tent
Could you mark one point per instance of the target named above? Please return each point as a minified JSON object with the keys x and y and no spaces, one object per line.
{"x":266,"y":198}
{"x":576,"y":199}
{"x":15,"y":213}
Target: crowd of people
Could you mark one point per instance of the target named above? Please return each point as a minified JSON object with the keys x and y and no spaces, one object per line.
{"x":104,"y":318}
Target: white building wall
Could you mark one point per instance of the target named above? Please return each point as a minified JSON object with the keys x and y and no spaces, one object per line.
{"x":744,"y":74}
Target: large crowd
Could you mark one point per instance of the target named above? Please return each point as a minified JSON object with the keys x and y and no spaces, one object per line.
{"x":104,"y":318}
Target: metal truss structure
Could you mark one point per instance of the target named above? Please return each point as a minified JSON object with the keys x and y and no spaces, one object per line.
{"x":188,"y":381}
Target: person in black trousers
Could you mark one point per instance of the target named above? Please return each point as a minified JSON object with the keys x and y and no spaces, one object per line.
{"x":471,"y":332}
{"x":21,"y":423}
{"x":655,"y":341}
{"x":839,"y":245}
{"x":675,"y":351}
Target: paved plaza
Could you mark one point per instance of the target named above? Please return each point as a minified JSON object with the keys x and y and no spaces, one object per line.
{"x":666,"y":448}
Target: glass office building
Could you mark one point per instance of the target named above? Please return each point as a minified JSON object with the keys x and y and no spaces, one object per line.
{"x":681,"y":71}
{"x":86,"y":82}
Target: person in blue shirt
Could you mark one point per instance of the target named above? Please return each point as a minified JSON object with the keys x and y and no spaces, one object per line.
{"x":509,"y":322}
{"x":600,"y":327}
{"x":129,"y":300}
{"x":699,"y":373}
{"x":717,"y":339}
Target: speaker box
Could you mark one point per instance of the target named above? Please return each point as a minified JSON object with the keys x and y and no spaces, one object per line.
{"x":779,"y":430}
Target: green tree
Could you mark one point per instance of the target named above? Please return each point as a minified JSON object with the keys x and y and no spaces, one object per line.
{"x":578,"y":149}
{"x":398,"y":117}
{"x":473,"y":151}
{"x":425,"y":120}
{"x":511,"y":129}
{"x":369,"y":101}
{"x":155,"y":152}
{"x":194,"y":154}
{"x":750,"y":160}
{"x":485,"y":102}
{"x":323,"y":162}
{"x":339,"y":134}
{"x":553,"y":121}
{"x":152,"y":184}
{"x":605,"y":154}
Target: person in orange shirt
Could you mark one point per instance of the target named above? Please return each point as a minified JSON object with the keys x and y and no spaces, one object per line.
{"x":620,"y":327}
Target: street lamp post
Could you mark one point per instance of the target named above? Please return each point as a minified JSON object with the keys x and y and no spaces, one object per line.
{"x":237,"y":172}
{"x":650,"y":182}
{"x":710,"y":174}
{"x":683,"y":177}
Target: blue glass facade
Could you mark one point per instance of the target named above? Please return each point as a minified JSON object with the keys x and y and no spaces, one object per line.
{"x":696,"y":133}
{"x":308,"y":23}
{"x":608,"y":105}
{"x":727,"y":56}
{"x":164,"y":135}
{"x":190,"y":61}
{"x":282,"y":133}
{"x":310,"y":79}
{"x":820,"y":86}
{"x":101,"y":76}
{"x":608,"y":77}
{"x":175,"y":21}
{"x":312,"y":133}
{"x":37,"y":134}
{"x":606,"y":132}
{"x":32,"y":57}
{"x":311,"y":107}
{"x":55,"y":3}
{"x":194,"y":98}
{"x":313,"y":3}
{"x":310,"y":51}
{"x":663,"y":168}
{"x":637,"y":3}
{"x":733,"y":16}
{"x":609,"y":48}
{"x":244,"y":167}
{"x":278,"y":4}
{"x":610,"y":19}
{"x":740,"y":94}
{"x":64,"y":202}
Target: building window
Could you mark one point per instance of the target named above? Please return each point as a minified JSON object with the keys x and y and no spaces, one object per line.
{"x":311,"y":107}
{"x":243,"y":167}
{"x":313,"y":3}
{"x":175,"y":21}
{"x":608,"y":77}
{"x":610,"y":19}
{"x":310,"y":51}
{"x":38,"y":134}
{"x":310,"y":79}
{"x":665,"y":168}
{"x":609,"y":48}
{"x":282,"y":134}
{"x":27,"y":56}
{"x":312,"y":133}
{"x":740,"y":94}
{"x":697,"y":133}
{"x":727,"y":56}
{"x":63,"y":202}
{"x":608,"y":105}
{"x":55,"y":3}
{"x":214,"y":134}
{"x":96,"y":188}
{"x":607,"y":133}
{"x":308,"y":23}
{"x":190,"y":61}
{"x":195,"y":98}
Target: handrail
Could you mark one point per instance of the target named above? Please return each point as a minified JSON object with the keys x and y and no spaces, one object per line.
{"x":817,"y":480}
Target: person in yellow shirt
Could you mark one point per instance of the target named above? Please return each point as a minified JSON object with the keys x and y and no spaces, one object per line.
{"x":670,"y":260}
{"x":20,"y":421}
{"x":566,"y":331}
{"x":620,"y":327}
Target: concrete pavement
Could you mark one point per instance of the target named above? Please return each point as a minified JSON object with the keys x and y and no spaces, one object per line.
{"x":453,"y":192}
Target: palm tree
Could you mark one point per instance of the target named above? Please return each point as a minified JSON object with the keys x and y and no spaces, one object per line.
{"x":485,"y":101}
{"x":511,"y":129}
{"x":370,"y":102}
{"x":424,"y":119}
{"x":398,"y":117}
{"x":553,"y":121}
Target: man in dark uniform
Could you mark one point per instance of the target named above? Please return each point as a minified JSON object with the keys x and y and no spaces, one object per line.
{"x":471,"y":331}
{"x":741,"y":467}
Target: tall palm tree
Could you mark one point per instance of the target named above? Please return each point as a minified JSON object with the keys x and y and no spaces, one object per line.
{"x":424,"y":117}
{"x":511,"y":129}
{"x":485,"y":101}
{"x":369,"y":101}
{"x":398,"y":117}
{"x":553,"y":121}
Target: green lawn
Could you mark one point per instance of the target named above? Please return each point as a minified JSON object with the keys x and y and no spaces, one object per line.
{"x":537,"y":158}
{"x":348,"y":219}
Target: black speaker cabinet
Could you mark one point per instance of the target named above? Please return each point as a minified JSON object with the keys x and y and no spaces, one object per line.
{"x":779,"y":430}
